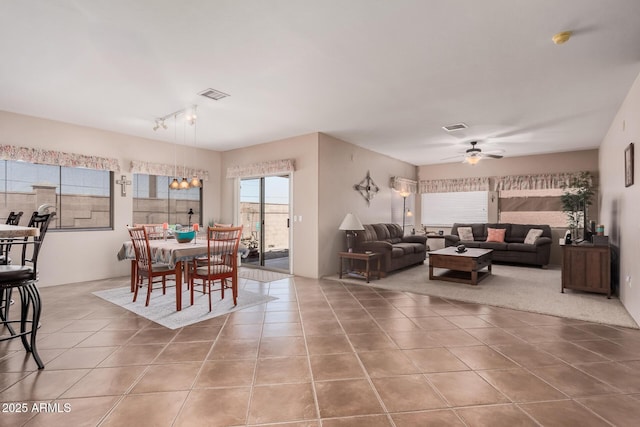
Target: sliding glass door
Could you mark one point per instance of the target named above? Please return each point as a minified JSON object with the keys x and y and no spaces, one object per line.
{"x":264,"y":214}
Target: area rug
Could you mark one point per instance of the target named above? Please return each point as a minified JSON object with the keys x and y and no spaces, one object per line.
{"x":260,"y":275}
{"x":518,"y":287}
{"x":162,"y":308}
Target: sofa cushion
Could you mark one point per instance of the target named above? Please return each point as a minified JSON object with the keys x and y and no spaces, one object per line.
{"x":397,"y":252}
{"x":532,"y":236}
{"x":521,"y":247}
{"x":496,"y":246}
{"x":496,"y":234}
{"x":473,"y":243}
{"x":382,"y":232}
{"x":407,"y":248}
{"x":465,"y":233}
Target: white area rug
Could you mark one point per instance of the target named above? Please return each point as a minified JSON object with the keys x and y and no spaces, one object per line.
{"x":162,"y":308}
{"x":518,"y":287}
{"x":261,"y":275}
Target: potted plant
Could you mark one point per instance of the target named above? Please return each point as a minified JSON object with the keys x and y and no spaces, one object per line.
{"x":576,"y":200}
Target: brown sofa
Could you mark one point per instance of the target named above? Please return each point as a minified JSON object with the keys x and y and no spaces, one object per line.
{"x":397,"y":251}
{"x":513,"y":250}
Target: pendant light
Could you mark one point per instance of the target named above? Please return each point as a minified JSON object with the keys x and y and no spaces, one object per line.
{"x":175,"y":184}
{"x":195,"y":181}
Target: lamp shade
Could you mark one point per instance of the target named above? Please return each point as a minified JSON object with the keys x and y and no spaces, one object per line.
{"x":351,"y":222}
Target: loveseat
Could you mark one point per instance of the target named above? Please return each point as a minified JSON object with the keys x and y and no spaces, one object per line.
{"x":397,"y":251}
{"x":513,"y":249}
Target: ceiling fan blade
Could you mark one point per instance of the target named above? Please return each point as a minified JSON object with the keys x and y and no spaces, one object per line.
{"x":492,"y":156}
{"x":454,"y":157}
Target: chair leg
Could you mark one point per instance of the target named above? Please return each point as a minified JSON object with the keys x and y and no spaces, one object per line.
{"x":135,"y":291}
{"x":209,"y":285}
{"x":191,"y":284}
{"x":149,"y":288}
{"x":164,"y":285}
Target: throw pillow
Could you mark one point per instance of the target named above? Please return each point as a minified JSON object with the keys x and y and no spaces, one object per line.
{"x":496,"y":234}
{"x":532,"y":236}
{"x":465,"y":233}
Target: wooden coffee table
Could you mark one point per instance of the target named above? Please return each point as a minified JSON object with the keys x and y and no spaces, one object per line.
{"x":461,"y":267}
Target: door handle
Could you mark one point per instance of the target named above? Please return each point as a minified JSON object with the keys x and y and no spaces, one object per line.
{"x":288,"y":222}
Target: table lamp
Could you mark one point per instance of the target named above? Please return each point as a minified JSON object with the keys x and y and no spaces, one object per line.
{"x":350,"y":224}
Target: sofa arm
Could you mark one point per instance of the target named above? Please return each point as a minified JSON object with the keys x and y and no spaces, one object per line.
{"x":451,"y":240}
{"x":541,"y":241}
{"x":376,"y":246}
{"x":415,"y":239}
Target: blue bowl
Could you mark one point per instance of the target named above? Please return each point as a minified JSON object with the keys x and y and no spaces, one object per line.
{"x":185,"y":236}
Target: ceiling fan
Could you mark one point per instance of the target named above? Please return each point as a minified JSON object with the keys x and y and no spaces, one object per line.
{"x":474,"y":154}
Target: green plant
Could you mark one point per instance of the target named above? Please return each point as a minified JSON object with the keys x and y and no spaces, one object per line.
{"x":576,"y":199}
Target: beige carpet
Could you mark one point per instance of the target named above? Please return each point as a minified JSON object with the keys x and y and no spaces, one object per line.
{"x":522,"y":288}
{"x":260,"y":275}
{"x":162,"y":308}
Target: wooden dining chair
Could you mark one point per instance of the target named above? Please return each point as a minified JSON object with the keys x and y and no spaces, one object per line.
{"x":145,"y":267}
{"x":221,"y":263}
{"x":154,"y":231}
{"x":5,"y":244}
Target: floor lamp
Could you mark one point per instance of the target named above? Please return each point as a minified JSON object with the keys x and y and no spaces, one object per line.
{"x":351,"y":224}
{"x":404,"y":195}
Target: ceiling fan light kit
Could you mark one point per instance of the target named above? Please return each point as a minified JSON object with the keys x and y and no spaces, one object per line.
{"x":561,"y":37}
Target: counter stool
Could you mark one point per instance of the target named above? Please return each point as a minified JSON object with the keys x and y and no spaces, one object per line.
{"x":24,"y":278}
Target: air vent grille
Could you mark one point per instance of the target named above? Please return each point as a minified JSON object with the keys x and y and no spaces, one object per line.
{"x":454,"y":127}
{"x":216,"y":95}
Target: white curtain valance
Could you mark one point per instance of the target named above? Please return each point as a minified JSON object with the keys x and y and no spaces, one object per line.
{"x":162,"y":169}
{"x":404,"y":185}
{"x":271,"y":167}
{"x":535,"y":182}
{"x":454,"y":185}
{"x":58,"y":158}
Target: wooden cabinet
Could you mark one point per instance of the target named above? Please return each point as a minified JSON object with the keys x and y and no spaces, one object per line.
{"x":586,"y":268}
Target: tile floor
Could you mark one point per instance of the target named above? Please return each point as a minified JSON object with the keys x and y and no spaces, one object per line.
{"x":323,"y":354}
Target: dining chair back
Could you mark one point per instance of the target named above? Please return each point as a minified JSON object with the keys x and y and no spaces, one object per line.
{"x":154,"y":231}
{"x":5,"y":244}
{"x":145,"y":267}
{"x":221,"y":264}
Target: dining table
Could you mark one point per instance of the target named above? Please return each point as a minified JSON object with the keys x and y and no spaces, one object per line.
{"x":8,"y":231}
{"x":169,"y":252}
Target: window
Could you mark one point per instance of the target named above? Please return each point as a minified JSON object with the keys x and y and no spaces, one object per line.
{"x":532,"y":207}
{"x":444,"y":209}
{"x":155,"y":203}
{"x":81,"y":198}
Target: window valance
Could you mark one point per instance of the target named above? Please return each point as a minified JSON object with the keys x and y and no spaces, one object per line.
{"x":404,"y":185}
{"x":535,"y":182}
{"x":272,"y":167}
{"x":58,"y":158}
{"x":162,"y":169}
{"x":454,"y":185}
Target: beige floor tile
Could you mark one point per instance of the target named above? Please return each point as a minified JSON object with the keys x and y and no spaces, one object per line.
{"x":346,"y":398}
{"x":465,"y":389}
{"x":151,"y":409}
{"x":368,"y":421}
{"x":437,"y":359}
{"x":170,"y":377}
{"x":82,"y":412}
{"x":563,"y":413}
{"x":407,"y":393}
{"x":572,"y":382}
{"x":215,"y":407}
{"x":43,"y":385}
{"x":81,"y":357}
{"x":495,"y":416}
{"x":336,"y":366}
{"x":482,"y":357}
{"x":328,"y":344}
{"x":520,"y":385}
{"x":105,"y":382}
{"x":226,"y":373}
{"x":280,"y":370}
{"x":622,"y":411}
{"x":387,"y":363}
{"x":281,"y":403}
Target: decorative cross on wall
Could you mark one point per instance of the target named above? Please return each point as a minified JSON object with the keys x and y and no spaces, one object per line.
{"x":367,"y":188}
{"x":123,"y":184}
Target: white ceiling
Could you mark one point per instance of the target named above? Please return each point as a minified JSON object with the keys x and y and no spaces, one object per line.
{"x":384,"y":75}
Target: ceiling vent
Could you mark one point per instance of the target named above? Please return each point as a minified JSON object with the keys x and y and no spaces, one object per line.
{"x":216,"y":95}
{"x":454,"y":127}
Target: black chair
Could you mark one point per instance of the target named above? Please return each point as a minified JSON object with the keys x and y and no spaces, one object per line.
{"x":24,"y":278}
{"x":5,"y":244}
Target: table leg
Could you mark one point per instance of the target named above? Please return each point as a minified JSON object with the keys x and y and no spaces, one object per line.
{"x":368,"y":270}
{"x":474,"y":277}
{"x":430,"y":270}
{"x":340,"y":269}
{"x":178,"y":274}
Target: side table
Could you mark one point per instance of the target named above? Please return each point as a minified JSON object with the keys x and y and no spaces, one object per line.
{"x":362,"y":256}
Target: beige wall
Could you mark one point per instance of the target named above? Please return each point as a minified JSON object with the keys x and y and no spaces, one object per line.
{"x":575,"y":161}
{"x":78,"y":256}
{"x":342,"y":165}
{"x":304,"y":200}
{"x":620,"y":204}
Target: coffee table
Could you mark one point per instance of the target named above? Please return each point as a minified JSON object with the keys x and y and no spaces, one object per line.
{"x":461,"y":267}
